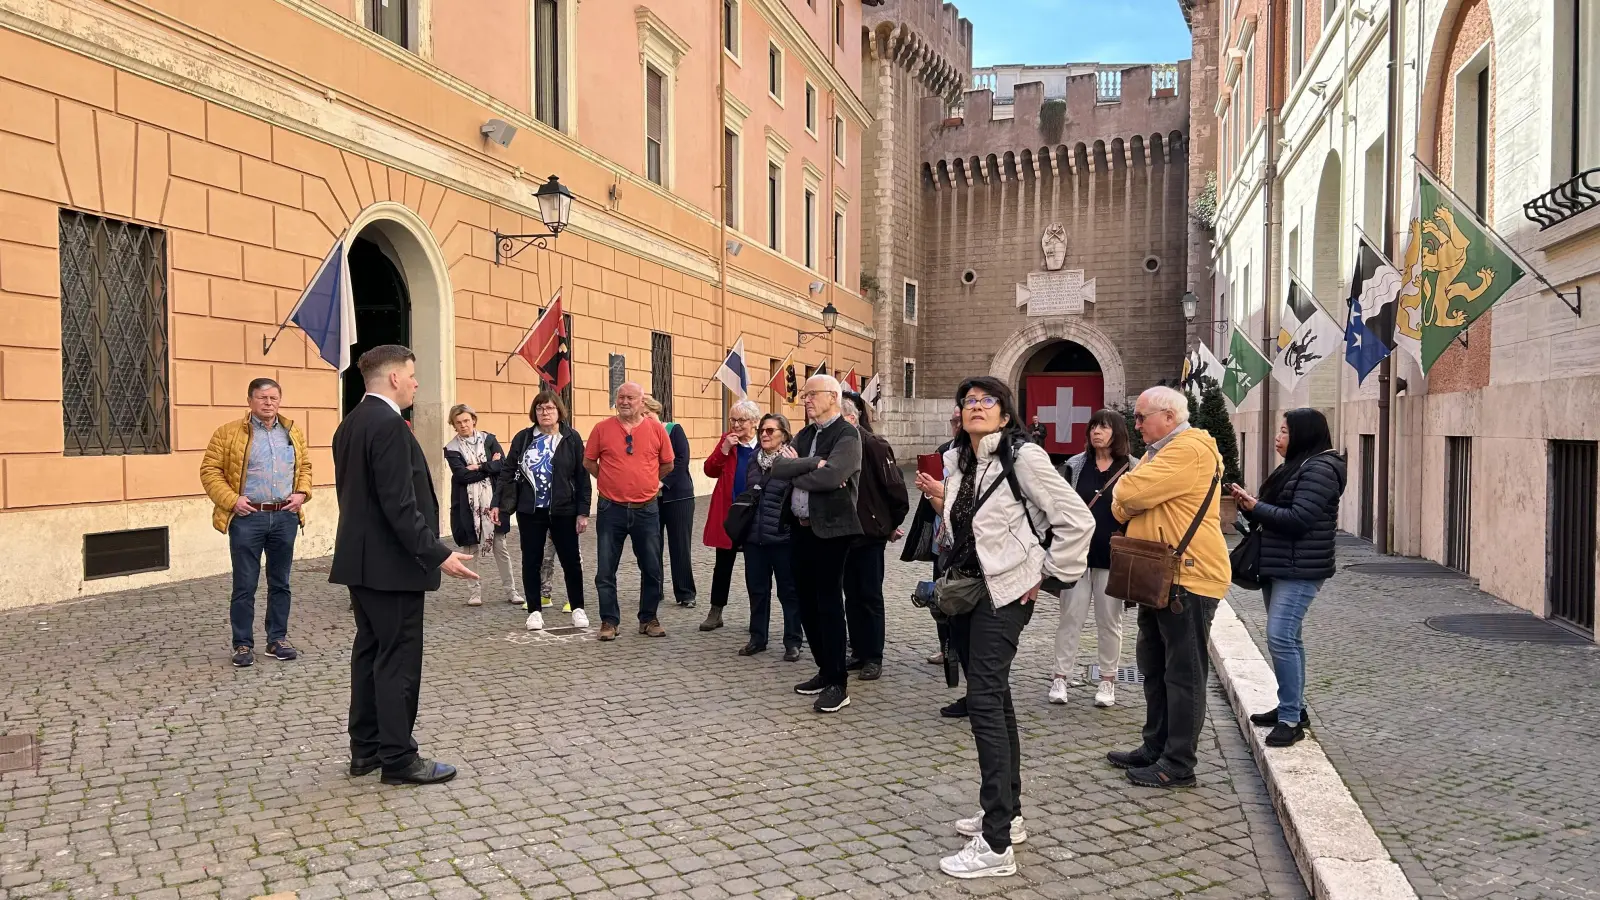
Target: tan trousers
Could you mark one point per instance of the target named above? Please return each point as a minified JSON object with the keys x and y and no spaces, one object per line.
{"x":1090,"y":590}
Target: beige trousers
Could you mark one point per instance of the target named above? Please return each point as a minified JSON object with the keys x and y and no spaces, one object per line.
{"x":1090,"y":590}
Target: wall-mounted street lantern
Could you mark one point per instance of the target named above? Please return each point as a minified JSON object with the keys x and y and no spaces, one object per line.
{"x":1191,"y":306}
{"x":830,"y":320}
{"x":555,"y":208}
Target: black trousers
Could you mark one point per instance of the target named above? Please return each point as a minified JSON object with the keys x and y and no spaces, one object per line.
{"x":819,"y":586}
{"x":992,"y":636}
{"x":1172,"y":656}
{"x":563,"y":532}
{"x":863,"y":599}
{"x":385,"y":675}
{"x":722,"y":576}
{"x":677,"y":530}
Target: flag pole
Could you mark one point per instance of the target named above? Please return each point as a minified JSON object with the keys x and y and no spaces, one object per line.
{"x":1391,"y":173}
{"x":501,"y":365}
{"x":723,"y":360}
{"x":1576,"y":308}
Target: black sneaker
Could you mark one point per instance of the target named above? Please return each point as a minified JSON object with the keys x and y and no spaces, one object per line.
{"x":1270,"y":718}
{"x":1157,"y":777}
{"x":1286,"y":735}
{"x":853,"y":664}
{"x":833,"y":699}
{"x":282,"y":650}
{"x":872,"y":671}
{"x":956,"y":710}
{"x":812,"y":687}
{"x":1131,"y":759}
{"x":243,"y":657}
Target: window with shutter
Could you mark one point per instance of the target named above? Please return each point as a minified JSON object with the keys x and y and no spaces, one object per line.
{"x":730,"y":179}
{"x":811,"y":108}
{"x":391,"y":19}
{"x":838,"y":247}
{"x":730,"y":26}
{"x":774,"y":200}
{"x":775,"y":71}
{"x":547,"y":62}
{"x":655,"y":127}
{"x":811,"y":230}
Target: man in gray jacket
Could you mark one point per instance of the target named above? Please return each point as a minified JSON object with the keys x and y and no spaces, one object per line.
{"x":823,"y":508}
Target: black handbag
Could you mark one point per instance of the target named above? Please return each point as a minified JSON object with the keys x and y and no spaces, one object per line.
{"x":742,"y":515}
{"x":919,"y":542}
{"x":1245,"y":558}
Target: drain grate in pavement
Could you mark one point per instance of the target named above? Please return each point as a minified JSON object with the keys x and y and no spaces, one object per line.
{"x":1125,"y":674}
{"x":1506,"y":627}
{"x":569,"y":629}
{"x":18,"y":753}
{"x":1403,"y":568}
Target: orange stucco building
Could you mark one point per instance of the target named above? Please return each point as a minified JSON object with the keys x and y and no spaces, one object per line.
{"x":172,"y":173}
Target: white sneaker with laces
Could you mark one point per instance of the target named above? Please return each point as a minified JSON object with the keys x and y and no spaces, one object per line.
{"x":976,"y":860}
{"x":580,"y":619}
{"x":1106,"y":695}
{"x":1058,"y":690}
{"x":535,"y":621}
{"x":973,"y":827}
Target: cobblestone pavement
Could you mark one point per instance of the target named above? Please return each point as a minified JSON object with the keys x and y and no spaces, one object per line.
{"x":1474,"y":759}
{"x":665,"y":768}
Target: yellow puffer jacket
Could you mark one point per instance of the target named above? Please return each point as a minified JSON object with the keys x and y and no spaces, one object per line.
{"x":1159,"y":499}
{"x":222,"y":470}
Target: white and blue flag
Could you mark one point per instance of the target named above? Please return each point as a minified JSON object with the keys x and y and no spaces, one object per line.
{"x":326,"y":312}
{"x":732,"y":373}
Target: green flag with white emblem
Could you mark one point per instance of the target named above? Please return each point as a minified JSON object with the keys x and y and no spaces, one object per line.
{"x":1244,"y":368}
{"x":1462,"y":269}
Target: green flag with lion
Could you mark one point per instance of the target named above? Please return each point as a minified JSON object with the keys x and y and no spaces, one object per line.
{"x":1456,"y":272}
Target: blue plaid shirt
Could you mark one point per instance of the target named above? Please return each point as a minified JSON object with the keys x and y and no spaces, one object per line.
{"x":269,"y":472}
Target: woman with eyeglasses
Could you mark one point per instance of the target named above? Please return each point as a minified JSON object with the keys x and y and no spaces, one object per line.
{"x":766,"y":546}
{"x":546,"y":485}
{"x":728,"y":464}
{"x":1013,"y":523}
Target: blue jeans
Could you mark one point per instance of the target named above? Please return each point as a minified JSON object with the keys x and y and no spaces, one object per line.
{"x":613,"y":523}
{"x":762,"y":564}
{"x":249,"y":536}
{"x":1287,"y":601}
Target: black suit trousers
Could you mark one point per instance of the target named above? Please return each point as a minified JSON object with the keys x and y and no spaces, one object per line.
{"x":385,"y":675}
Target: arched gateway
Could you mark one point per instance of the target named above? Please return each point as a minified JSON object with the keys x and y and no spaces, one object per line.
{"x":1063,"y":369}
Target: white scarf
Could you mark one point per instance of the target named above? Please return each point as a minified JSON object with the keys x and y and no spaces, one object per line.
{"x":480,"y":494}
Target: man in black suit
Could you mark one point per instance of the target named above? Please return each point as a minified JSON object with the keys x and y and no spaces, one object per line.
{"x":388,"y":553}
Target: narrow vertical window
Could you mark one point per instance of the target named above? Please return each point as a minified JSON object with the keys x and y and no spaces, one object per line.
{"x":1297,"y":38}
{"x":811,"y":230}
{"x":1480,"y":199}
{"x":730,"y":26}
{"x":838,"y":247}
{"x":775,"y":71}
{"x":391,"y":19}
{"x":655,"y":126}
{"x":547,"y":62}
{"x":730,"y":179}
{"x":811,"y":108}
{"x":774,"y":200}
{"x":909,"y":377}
{"x":911,"y":302}
{"x":838,"y":22}
{"x":838,"y":138}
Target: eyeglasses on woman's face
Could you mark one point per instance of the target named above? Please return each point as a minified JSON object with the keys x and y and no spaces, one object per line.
{"x":769,"y":430}
{"x":984,"y":402}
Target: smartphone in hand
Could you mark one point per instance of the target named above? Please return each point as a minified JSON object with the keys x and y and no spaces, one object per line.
{"x":932,"y":465}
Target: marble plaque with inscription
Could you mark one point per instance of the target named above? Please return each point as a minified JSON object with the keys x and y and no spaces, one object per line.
{"x":1061,"y":293}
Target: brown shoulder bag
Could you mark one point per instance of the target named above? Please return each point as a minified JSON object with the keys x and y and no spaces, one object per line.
{"x":1143,"y":571}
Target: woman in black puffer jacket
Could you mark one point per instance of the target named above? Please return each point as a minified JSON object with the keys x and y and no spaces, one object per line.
{"x":766,"y":545}
{"x":1298,"y":513}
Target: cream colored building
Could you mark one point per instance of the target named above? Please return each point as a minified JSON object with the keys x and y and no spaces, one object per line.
{"x":1494,"y":453}
{"x":172,"y":174}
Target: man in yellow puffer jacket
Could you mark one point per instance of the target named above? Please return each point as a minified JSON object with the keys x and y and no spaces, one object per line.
{"x":258,"y":473}
{"x":1159,"y":500}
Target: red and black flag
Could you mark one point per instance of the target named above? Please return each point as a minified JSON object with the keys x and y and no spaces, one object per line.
{"x":547,"y":348}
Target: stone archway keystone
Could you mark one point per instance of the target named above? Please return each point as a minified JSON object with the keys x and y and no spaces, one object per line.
{"x":1021,"y":345}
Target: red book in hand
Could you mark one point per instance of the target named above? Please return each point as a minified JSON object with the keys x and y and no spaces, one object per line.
{"x":932,"y":465}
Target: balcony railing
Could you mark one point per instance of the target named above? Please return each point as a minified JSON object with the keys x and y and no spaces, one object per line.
{"x":1108,"y":86}
{"x":1164,"y":81}
{"x":1565,"y":200}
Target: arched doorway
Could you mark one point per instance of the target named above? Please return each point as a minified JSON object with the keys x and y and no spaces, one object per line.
{"x":383,"y":304}
{"x":1060,"y":387}
{"x":402,"y":290}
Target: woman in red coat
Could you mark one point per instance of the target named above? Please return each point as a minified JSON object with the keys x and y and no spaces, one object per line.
{"x":727,"y":464}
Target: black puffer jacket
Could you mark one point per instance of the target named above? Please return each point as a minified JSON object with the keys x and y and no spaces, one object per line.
{"x":1298,"y":529}
{"x":769,"y":528}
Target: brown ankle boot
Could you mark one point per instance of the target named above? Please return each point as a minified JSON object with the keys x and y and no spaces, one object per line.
{"x":713,"y":619}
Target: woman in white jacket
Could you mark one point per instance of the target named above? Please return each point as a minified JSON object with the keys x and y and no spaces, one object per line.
{"x":1015,"y":533}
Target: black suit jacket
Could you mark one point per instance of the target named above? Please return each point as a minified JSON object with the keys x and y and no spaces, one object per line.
{"x":388,"y":513}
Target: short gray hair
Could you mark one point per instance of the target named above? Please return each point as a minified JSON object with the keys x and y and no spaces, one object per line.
{"x":1165,"y":398}
{"x":849,"y":407}
{"x":745,"y":409}
{"x":828,"y":383}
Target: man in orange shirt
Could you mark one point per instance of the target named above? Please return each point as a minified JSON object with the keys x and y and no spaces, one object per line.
{"x":628,"y":455}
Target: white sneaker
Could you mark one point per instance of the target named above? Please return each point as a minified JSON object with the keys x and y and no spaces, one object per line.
{"x":535,"y":621}
{"x":973,"y":827}
{"x":1106,"y":695}
{"x":516,"y":600}
{"x":1058,"y":690}
{"x":976,"y":860}
{"x":580,"y":619}
{"x":475,"y":600}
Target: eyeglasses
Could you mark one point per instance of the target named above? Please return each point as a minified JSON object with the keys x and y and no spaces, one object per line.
{"x":815,"y":393}
{"x":772,"y":431}
{"x":742,"y":421}
{"x":1139,"y":417}
{"x":629,"y":439}
{"x":986,"y":402}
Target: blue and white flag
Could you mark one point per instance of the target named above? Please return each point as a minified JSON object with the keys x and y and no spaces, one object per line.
{"x":1369,"y":335}
{"x":326,"y":312}
{"x":733,"y":373}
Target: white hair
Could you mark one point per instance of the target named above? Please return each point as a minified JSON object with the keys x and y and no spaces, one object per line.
{"x":849,"y":407}
{"x":826,"y":383}
{"x":1165,"y":398}
{"x":745,"y":409}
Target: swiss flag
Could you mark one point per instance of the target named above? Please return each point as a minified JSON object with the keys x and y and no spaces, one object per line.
{"x":546,"y":348}
{"x":1063,"y":405}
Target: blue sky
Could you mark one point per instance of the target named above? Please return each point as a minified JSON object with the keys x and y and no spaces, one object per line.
{"x":1054,"y":31}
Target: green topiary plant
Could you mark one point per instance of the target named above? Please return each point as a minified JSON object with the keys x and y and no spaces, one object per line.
{"x":1212,"y":415}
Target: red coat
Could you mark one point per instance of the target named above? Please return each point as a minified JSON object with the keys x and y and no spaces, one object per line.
{"x":720,"y":466}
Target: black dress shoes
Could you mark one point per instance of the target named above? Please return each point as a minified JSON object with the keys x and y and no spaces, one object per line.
{"x":364,"y":765}
{"x":421,"y":771}
{"x":956,"y":710}
{"x":1131,"y":759}
{"x":853,"y":664}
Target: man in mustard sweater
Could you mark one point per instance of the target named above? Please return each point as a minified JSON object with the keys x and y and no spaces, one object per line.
{"x":1159,"y":500}
{"x":257,"y":473}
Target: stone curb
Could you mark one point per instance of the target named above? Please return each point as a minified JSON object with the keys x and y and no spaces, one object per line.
{"x":1338,"y":853}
